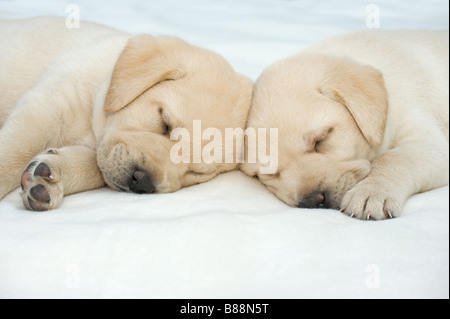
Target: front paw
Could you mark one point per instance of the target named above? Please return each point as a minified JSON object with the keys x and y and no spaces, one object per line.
{"x":370,"y":199}
{"x":40,"y":187}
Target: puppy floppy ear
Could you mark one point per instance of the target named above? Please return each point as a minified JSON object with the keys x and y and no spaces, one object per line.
{"x":145,"y":62}
{"x":361,"y":89}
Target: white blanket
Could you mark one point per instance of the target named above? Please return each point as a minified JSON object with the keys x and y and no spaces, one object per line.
{"x":230,"y":237}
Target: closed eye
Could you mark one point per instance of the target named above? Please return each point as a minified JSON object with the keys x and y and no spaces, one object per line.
{"x":165,"y":123}
{"x":317,"y":143}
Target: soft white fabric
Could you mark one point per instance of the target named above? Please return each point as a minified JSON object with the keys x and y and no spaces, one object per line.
{"x":230,"y":237}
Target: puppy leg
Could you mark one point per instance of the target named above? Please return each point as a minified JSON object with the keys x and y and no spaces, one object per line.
{"x":43,"y":118}
{"x":59,"y":172}
{"x":21,"y":138}
{"x":394,"y":177}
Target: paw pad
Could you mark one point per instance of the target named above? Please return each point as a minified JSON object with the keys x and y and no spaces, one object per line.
{"x":40,"y":193}
{"x":43,"y":170}
{"x":40,"y":190}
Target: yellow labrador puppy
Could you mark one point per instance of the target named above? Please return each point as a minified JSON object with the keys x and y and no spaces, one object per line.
{"x":81,"y":107}
{"x":362,"y":119}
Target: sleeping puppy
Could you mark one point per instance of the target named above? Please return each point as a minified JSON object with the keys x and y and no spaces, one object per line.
{"x":83,"y":107}
{"x":362,"y":120}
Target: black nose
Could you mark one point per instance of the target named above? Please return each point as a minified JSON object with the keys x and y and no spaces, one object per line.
{"x":316,"y":199}
{"x":141,"y":182}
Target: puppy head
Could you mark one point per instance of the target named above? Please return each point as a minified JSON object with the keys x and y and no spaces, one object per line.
{"x":330,"y":113}
{"x":160,"y":84}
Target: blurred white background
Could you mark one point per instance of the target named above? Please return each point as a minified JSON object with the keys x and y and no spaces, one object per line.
{"x":250,"y":33}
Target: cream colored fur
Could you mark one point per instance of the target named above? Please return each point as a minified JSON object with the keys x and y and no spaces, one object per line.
{"x":363,"y":121}
{"x":53,"y":87}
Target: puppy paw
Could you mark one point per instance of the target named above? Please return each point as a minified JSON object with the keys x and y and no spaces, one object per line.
{"x":41,"y":189}
{"x":369,"y":200}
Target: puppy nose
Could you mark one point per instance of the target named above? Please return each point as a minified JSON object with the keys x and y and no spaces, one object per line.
{"x":316,"y":199}
{"x":141,"y":182}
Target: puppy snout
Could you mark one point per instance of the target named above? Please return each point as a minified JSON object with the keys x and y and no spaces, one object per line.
{"x":141,"y":182}
{"x":317,"y":199}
